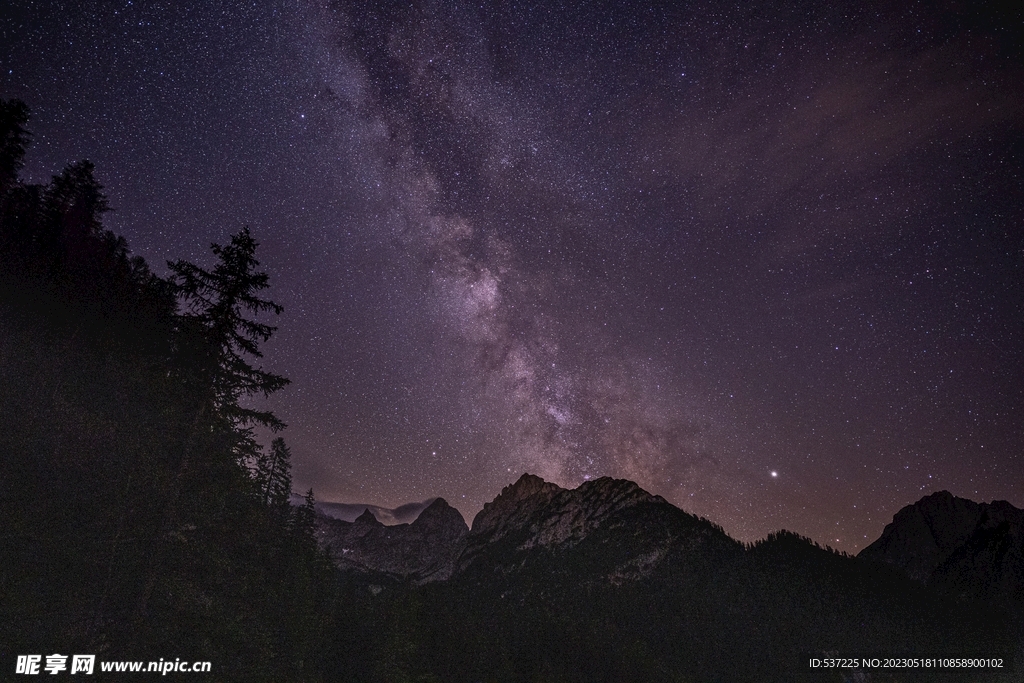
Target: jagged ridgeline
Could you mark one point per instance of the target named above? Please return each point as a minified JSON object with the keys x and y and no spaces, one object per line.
{"x":607,"y":582}
{"x":140,"y":519}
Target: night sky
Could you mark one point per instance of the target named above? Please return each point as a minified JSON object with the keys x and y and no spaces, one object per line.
{"x":765,"y":261}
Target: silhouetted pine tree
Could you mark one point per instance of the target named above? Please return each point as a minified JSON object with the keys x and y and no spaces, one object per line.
{"x":217,"y":303}
{"x":214,"y":338}
{"x":123,"y":485}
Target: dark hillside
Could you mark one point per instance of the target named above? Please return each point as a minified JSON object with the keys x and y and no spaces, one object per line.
{"x":608,"y":583}
{"x":137,"y":516}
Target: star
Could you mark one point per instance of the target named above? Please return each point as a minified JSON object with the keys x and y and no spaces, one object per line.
{"x":567,"y":257}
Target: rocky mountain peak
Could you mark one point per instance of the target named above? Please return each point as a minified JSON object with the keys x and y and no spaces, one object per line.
{"x":966,"y":547}
{"x":367,"y":519}
{"x":514,"y":504}
{"x":424,"y":550}
{"x":607,"y":492}
{"x":573,"y":514}
{"x":526,"y":486}
{"x":533,"y":512}
{"x":922,"y":535}
{"x":440,"y":514}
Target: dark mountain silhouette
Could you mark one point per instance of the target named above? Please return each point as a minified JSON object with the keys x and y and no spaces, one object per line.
{"x":623,"y":531}
{"x":423,"y":550}
{"x":973,"y":550}
{"x":550,"y":515}
{"x":348,"y":512}
{"x":141,"y":518}
{"x":607,"y":582}
{"x":528,"y":514}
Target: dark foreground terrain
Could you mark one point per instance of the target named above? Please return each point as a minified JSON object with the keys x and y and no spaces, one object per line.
{"x":141,"y":520}
{"x":609,"y":583}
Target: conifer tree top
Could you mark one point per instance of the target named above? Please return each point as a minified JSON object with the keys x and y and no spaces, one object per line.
{"x":220,"y":305}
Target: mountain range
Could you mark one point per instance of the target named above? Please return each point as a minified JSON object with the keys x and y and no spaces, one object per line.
{"x":609,"y":582}
{"x":348,"y":512}
{"x":975,"y":550}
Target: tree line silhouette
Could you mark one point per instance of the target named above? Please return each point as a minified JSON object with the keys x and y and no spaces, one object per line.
{"x":141,"y":519}
{"x":140,"y":516}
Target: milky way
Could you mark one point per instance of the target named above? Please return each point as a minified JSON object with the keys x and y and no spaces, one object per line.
{"x":507,"y":223}
{"x":766,"y":262}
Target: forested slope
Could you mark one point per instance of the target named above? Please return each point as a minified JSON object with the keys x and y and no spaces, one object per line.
{"x":140,"y":518}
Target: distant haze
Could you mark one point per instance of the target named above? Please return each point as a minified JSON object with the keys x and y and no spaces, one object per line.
{"x":403,"y":514}
{"x":765,"y":260}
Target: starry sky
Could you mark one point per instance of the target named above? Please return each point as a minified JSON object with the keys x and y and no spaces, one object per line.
{"x":766,"y":260}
